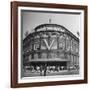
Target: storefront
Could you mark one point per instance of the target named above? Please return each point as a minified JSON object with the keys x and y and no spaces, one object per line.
{"x":51,"y":48}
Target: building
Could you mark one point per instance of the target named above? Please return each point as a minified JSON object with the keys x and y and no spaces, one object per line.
{"x":52,"y":47}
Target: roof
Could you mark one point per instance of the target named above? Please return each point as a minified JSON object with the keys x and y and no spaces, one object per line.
{"x":52,"y":25}
{"x":47,"y":25}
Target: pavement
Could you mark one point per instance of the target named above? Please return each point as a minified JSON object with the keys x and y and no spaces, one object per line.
{"x":52,"y":73}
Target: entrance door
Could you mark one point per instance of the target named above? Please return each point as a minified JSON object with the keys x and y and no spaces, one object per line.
{"x":63,"y":65}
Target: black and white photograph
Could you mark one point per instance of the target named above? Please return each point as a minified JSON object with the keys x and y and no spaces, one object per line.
{"x":50,"y":43}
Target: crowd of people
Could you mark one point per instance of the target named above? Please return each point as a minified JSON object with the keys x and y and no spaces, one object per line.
{"x":43,"y":69}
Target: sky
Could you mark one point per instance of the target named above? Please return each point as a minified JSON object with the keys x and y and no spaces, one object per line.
{"x":32,"y":19}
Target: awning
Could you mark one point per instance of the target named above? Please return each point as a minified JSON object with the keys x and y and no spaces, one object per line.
{"x":49,"y":60}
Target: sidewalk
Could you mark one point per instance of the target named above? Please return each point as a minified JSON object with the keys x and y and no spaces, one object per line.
{"x":63,"y":72}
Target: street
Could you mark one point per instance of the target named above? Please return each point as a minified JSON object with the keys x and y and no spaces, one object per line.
{"x":52,"y":73}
